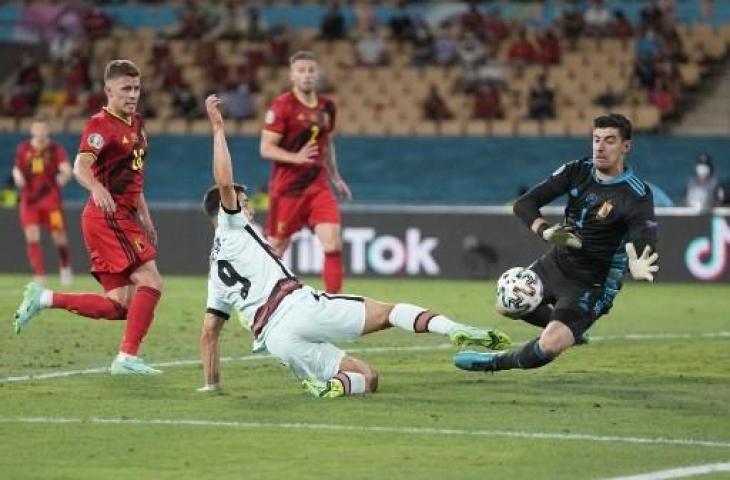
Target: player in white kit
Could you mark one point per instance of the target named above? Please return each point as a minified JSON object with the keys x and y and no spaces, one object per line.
{"x":294,"y":322}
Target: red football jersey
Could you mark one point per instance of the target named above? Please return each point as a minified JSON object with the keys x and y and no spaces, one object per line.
{"x":40,"y":167}
{"x":120,"y":148}
{"x":299,"y":124}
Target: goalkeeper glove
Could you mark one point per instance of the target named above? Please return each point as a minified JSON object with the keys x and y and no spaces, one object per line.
{"x":643,"y":267}
{"x":560,"y":235}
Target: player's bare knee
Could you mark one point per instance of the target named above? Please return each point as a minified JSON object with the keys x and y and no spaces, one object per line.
{"x":556,"y":338}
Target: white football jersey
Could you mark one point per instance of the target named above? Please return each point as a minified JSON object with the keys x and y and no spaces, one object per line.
{"x":243,"y":270}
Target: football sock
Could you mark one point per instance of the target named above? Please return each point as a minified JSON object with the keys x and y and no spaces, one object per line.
{"x":353,"y":383}
{"x":540,"y":317}
{"x":63,"y":256}
{"x":35,"y":255}
{"x":89,"y":305}
{"x":530,"y":355}
{"x":419,"y":320}
{"x":140,"y":315}
{"x":332,"y":272}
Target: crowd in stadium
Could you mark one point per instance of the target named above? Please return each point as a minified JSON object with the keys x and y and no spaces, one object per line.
{"x":500,"y":68}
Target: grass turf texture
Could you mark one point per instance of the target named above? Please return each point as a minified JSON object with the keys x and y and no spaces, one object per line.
{"x":429,"y":420}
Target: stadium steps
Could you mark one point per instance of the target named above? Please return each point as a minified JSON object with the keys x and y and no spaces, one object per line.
{"x":711,"y":113}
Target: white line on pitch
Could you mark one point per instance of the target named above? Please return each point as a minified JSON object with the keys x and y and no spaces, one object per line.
{"x":414,"y":348}
{"x":681,"y":472}
{"x":371,"y":428}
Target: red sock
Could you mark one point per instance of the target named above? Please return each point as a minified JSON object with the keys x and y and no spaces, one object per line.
{"x":140,"y":315}
{"x":63,"y":256}
{"x":332,"y":272}
{"x":89,"y":305}
{"x":35,"y":255}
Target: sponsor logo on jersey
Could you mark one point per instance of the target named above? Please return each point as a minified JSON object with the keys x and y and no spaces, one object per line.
{"x":270,"y":117}
{"x":95,"y":140}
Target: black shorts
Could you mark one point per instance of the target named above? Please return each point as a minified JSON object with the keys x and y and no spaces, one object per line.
{"x":576,"y":304}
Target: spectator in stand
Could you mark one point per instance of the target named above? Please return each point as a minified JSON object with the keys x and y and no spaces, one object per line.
{"x":621,"y":27}
{"x":237,"y":102}
{"x":169,"y":74}
{"x":97,"y":24}
{"x":571,"y":23}
{"x":541,"y":103}
{"x":26,"y":84}
{"x":364,"y":18}
{"x":522,"y":51}
{"x":597,"y":19}
{"x":649,"y":44}
{"x":444,"y":47}
{"x":434,"y":106}
{"x":401,"y":26}
{"x":548,"y":48}
{"x":473,"y":21}
{"x":497,"y":29}
{"x":608,"y":99}
{"x":253,"y":26}
{"x":95,"y":99}
{"x":333,"y":23}
{"x":488,"y":101}
{"x":661,"y":97}
{"x":279,"y":45}
{"x":61,"y":47}
{"x":160,"y":49}
{"x":184,"y":103}
{"x":422,"y":44}
{"x":493,"y":69}
{"x":190,"y":22}
{"x":703,"y":189}
{"x":371,"y":49}
{"x":645,"y":70}
{"x":243,"y":73}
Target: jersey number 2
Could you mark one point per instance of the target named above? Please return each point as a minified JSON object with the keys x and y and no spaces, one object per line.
{"x":315,"y":133}
{"x":231,"y":277}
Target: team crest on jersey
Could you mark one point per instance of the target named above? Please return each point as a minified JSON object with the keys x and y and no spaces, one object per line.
{"x":95,"y":140}
{"x":605,"y":209}
{"x":270,"y":117}
{"x":139,"y":244}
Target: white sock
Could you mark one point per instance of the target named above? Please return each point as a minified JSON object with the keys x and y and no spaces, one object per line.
{"x":46,"y":299}
{"x":353,"y":382}
{"x":418,"y":319}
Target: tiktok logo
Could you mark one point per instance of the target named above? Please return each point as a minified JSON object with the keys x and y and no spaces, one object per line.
{"x":706,"y":258}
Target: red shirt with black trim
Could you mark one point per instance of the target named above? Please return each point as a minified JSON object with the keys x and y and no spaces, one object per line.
{"x":299,"y":124}
{"x":39,"y":168}
{"x":120,"y":148}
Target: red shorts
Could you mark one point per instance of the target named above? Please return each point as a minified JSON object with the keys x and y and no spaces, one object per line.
{"x":48,"y":216}
{"x":117,"y":247}
{"x":287,"y":215}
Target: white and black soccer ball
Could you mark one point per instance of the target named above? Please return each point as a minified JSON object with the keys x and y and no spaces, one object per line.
{"x":519,"y":291}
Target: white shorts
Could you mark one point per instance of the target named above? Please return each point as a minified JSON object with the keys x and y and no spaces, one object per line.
{"x":300,"y":337}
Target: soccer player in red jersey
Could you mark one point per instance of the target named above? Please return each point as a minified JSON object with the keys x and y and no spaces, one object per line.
{"x":116,"y":224}
{"x":40,"y":170}
{"x":298,"y":138}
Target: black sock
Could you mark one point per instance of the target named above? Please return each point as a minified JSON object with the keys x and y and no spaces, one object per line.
{"x":529,"y":355}
{"x":540,"y":317}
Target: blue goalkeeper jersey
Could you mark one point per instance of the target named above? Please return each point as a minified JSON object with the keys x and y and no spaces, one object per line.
{"x":605,"y":214}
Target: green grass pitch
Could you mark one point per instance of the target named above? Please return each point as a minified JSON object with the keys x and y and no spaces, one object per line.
{"x":625,"y":404}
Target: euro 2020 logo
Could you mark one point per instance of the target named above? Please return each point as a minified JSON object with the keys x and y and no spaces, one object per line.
{"x":706,"y":258}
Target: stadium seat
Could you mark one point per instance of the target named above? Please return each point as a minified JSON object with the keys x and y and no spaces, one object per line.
{"x":646,"y":118}
{"x":554,"y":126}
{"x":525,"y":127}
{"x":7,"y":124}
{"x":476,"y":127}
{"x":501,"y":128}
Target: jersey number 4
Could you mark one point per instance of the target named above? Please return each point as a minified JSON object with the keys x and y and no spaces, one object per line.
{"x":231,"y":277}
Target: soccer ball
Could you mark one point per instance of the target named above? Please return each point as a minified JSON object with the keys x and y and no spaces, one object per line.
{"x":519,"y":291}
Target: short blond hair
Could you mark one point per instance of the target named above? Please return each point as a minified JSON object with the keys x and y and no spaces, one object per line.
{"x":120,"y":68}
{"x":302,"y":55}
